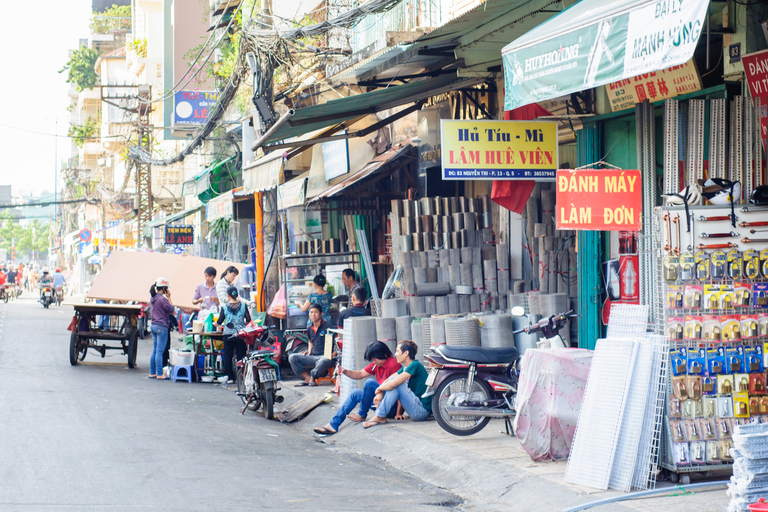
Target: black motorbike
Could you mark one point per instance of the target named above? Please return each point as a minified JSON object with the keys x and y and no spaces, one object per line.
{"x":471,"y":385}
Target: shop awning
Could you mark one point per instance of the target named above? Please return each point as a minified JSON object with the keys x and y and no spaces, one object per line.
{"x":596,"y":42}
{"x":205,"y":184}
{"x":336,"y":111}
{"x":263,"y":174}
{"x":375,"y":166}
{"x":292,"y":193}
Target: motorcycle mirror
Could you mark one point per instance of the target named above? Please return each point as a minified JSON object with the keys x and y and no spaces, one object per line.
{"x":518,"y":311}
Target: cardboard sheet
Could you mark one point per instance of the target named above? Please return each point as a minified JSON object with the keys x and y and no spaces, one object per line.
{"x":127,"y":275}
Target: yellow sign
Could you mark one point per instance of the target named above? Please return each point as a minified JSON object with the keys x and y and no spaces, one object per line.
{"x":498,"y":150}
{"x":656,"y":86}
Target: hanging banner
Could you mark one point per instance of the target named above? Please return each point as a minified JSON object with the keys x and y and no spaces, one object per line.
{"x":655,"y":86}
{"x":595,"y":43}
{"x":756,"y":69}
{"x":599,"y":199}
{"x":498,"y":150}
{"x":219,"y":206}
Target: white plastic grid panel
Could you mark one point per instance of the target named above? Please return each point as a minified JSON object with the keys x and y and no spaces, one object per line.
{"x":646,"y":466}
{"x":628,"y":321}
{"x":602,"y":409}
{"x":632,"y":422}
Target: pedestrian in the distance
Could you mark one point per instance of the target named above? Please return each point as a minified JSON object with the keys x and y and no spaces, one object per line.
{"x":160,"y":310}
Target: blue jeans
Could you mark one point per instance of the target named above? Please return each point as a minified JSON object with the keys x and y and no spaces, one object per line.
{"x":159,"y":340}
{"x":408,"y":399}
{"x":364,"y":397}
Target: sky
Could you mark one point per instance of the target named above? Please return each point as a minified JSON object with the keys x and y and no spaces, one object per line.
{"x":34,"y":93}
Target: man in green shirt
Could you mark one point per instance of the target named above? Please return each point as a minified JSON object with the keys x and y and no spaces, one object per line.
{"x":407,"y":386}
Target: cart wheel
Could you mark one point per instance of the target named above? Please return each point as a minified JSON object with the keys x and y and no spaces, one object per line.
{"x":673,"y":477}
{"x":73,"y":349}
{"x":685,"y":479}
{"x":133,"y":349}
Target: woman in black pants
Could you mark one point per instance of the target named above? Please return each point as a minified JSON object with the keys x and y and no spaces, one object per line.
{"x":234,"y":317}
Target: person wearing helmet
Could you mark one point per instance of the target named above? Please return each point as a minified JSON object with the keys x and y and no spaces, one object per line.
{"x":58,"y":278}
{"x":160,"y":310}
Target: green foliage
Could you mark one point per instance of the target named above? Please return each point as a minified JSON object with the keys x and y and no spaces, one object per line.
{"x":32,"y":238}
{"x":139,"y":46}
{"x":81,"y":132}
{"x":113,"y":20}
{"x":80,"y":69}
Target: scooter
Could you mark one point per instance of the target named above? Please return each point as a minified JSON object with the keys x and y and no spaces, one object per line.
{"x":259,"y":372}
{"x":471,"y":385}
{"x":46,"y":295}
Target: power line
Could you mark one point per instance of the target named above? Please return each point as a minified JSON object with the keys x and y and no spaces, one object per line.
{"x":48,"y":203}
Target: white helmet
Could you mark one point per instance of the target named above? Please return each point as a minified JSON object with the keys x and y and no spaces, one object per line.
{"x":718,"y":191}
{"x":690,"y":195}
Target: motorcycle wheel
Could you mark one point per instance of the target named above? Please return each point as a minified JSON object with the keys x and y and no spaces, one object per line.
{"x":459,"y":425}
{"x":74,"y":352}
{"x":268,"y":401}
{"x":5,"y":298}
{"x":240,"y":380}
{"x":45,"y":303}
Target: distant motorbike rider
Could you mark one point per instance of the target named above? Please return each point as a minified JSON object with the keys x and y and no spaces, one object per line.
{"x":46,"y":279}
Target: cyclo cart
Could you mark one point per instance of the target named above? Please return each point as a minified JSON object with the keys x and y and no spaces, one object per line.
{"x":121,"y":328}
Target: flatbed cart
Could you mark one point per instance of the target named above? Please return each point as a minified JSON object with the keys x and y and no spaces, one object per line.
{"x":86,"y":332}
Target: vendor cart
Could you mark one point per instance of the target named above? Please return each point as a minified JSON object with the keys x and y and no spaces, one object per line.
{"x":88,"y":331}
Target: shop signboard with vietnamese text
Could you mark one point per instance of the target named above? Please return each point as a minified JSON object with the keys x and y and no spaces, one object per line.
{"x":654,"y":86}
{"x":498,"y":150}
{"x":192,"y":107}
{"x":756,"y":69}
{"x":599,"y":199}
{"x":219,"y":206}
{"x":176,"y":234}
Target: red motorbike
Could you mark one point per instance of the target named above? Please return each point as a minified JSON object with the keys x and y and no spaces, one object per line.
{"x":259,"y":372}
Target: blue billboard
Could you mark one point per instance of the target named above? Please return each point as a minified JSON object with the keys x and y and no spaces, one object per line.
{"x":192,"y":107}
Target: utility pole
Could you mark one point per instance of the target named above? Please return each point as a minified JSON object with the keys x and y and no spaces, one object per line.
{"x":144,"y":170}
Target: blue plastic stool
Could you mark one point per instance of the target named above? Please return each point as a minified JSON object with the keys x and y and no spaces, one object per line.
{"x":186,"y":375}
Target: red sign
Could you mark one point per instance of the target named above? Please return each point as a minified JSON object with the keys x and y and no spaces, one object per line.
{"x":599,"y":199}
{"x":756,"y":69}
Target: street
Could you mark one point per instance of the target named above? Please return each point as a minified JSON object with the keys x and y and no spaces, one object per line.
{"x":99,"y":436}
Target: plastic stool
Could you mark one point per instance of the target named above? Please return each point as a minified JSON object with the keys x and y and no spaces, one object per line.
{"x":186,"y":375}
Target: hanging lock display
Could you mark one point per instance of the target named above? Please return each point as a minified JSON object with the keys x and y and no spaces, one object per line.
{"x":717,"y":264}
{"x":671,"y":265}
{"x":687,"y":263}
{"x":702,"y":265}
{"x":734,"y":264}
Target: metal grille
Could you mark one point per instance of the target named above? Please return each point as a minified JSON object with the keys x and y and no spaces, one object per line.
{"x":695,"y":152}
{"x":646,"y":467}
{"x":716,"y":148}
{"x":460,"y":331}
{"x":646,"y":155}
{"x":749,"y":125}
{"x":671,"y":149}
{"x":760,"y":179}
{"x":628,"y":321}
{"x":599,"y":426}
{"x":397,"y":259}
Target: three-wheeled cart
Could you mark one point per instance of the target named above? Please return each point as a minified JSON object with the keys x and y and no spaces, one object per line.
{"x":89,"y":331}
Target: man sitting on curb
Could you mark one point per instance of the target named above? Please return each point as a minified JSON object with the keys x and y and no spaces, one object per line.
{"x":357,"y":310}
{"x":314,"y":356}
{"x":407,"y":386}
{"x":382,"y":366}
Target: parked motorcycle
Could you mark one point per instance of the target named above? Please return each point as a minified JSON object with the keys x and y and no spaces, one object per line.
{"x":471,"y":385}
{"x":4,"y":293}
{"x":258,"y":373}
{"x":46,"y":295}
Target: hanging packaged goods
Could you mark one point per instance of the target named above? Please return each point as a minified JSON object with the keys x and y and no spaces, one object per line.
{"x":499,"y":150}
{"x":715,"y":316}
{"x":599,"y":200}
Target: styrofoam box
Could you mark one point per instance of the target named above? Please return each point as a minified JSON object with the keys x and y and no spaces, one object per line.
{"x":181,"y":357}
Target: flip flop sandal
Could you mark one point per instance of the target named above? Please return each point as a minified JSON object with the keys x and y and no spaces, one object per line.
{"x":324,"y":431}
{"x":301,"y":385}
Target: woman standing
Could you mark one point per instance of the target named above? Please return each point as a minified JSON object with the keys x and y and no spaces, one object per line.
{"x":319,"y":296}
{"x":234,"y":316}
{"x":160,"y":311}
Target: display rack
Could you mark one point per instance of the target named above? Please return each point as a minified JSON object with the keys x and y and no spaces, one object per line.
{"x":665,"y":316}
{"x":304,"y":267}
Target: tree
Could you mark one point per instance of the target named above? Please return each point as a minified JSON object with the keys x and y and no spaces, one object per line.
{"x":79,"y":133}
{"x":80,"y":68}
{"x":115,"y":19}
{"x":32,"y":238}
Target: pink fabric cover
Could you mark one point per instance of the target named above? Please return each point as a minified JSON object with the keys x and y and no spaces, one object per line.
{"x":549,"y":394}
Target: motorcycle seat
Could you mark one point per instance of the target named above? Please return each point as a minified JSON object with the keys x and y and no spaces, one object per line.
{"x":479,"y":354}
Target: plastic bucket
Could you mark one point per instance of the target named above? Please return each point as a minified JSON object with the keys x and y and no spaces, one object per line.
{"x":760,"y":506}
{"x":197,"y":326}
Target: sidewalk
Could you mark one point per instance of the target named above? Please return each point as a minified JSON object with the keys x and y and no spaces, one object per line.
{"x":489,"y":469}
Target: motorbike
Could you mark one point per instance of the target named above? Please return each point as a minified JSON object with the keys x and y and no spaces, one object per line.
{"x":259,"y":372}
{"x":4,"y":293}
{"x":471,"y":385}
{"x":46,"y":295}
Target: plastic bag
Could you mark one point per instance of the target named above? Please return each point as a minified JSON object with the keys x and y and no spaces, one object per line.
{"x":278,"y":307}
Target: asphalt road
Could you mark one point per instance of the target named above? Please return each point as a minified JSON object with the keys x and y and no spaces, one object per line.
{"x":100,"y":436}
